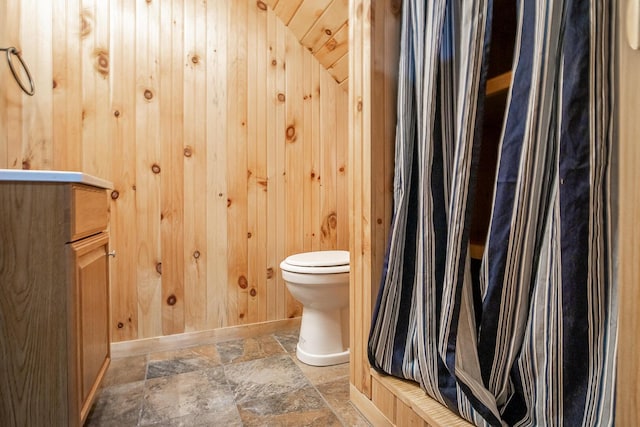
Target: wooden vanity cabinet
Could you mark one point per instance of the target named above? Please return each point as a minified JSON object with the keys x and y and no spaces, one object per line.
{"x":54,"y":301}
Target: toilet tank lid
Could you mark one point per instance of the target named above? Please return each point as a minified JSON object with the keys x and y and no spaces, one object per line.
{"x":319,"y":259}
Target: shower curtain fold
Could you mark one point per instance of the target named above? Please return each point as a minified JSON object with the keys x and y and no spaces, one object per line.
{"x":543,"y":350}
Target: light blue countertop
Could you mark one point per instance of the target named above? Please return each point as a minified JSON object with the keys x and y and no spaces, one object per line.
{"x":53,"y":176}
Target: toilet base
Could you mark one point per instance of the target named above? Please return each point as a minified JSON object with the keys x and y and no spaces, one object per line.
{"x":324,"y":336}
{"x":322,"y":359}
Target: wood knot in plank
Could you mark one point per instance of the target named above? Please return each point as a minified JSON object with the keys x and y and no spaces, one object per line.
{"x":187,"y":151}
{"x":261,"y":5}
{"x":329,"y":225}
{"x":54,"y":84}
{"x":328,"y":32}
{"x":86,"y":23}
{"x":282,"y":97}
{"x":116,"y":113}
{"x":242,"y":282}
{"x":172,"y":300}
{"x":155,"y":168}
{"x":148,"y":95}
{"x":331,"y":44}
{"x":26,"y":164}
{"x":274,"y":62}
{"x":270,"y":273}
{"x":291,"y":133}
{"x":115,"y":194}
{"x":253,"y":292}
{"x":101,"y":62}
{"x":228,"y":203}
{"x":196,"y":254}
{"x":341,"y":170}
{"x":159,"y":268}
{"x":195,"y":59}
{"x":120,"y":325}
{"x":396,"y":7}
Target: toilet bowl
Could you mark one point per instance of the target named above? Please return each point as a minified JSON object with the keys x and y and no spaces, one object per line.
{"x":320,"y":282}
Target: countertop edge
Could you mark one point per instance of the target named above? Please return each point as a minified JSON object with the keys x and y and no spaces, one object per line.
{"x":53,"y":176}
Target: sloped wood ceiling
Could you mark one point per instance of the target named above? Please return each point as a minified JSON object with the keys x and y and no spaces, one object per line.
{"x":322,"y":27}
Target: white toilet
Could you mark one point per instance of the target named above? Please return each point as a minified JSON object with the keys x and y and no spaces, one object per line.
{"x":320,"y":281}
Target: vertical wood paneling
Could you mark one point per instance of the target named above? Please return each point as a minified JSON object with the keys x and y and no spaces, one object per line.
{"x":148,"y":181}
{"x":628,"y":375}
{"x":274,"y":140}
{"x":261,"y":231}
{"x":310,"y":155}
{"x":67,"y":86}
{"x":4,"y":80}
{"x":216,"y":177}
{"x":280,"y":178}
{"x":194,"y":155}
{"x":371,"y":124}
{"x":237,"y":164}
{"x":210,"y":118}
{"x":124,"y":236}
{"x":317,"y":189}
{"x":94,"y":33}
{"x":36,"y":44}
{"x":252,"y":165}
{"x":13,"y":97}
{"x":358,"y":71}
{"x":294,"y":151}
{"x":342,"y":158}
{"x":175,"y":174}
{"x":327,"y":177}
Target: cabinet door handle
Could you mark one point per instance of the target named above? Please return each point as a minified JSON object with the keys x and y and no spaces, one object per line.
{"x":112,"y":253}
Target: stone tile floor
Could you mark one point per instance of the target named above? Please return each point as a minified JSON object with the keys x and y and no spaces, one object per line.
{"x":247,"y":382}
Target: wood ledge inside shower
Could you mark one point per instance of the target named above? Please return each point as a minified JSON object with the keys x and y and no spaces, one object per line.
{"x":498,"y":84}
{"x":398,"y":402}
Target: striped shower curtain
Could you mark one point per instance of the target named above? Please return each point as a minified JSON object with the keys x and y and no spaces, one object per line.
{"x":538,"y":345}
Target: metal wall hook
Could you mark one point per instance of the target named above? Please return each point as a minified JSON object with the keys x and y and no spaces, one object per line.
{"x":12,"y":51}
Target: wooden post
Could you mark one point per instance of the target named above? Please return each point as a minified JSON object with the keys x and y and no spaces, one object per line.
{"x":374,"y":50}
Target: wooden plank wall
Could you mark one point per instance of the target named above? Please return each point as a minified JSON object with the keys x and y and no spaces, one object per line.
{"x":628,"y":379}
{"x":225,"y":139}
{"x":322,"y":26}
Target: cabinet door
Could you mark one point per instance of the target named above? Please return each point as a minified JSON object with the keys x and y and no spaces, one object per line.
{"x":92,"y":315}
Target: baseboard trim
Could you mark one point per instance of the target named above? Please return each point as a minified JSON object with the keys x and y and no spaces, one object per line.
{"x":189,"y":339}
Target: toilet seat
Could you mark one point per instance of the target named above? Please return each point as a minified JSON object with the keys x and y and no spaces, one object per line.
{"x":320,"y":262}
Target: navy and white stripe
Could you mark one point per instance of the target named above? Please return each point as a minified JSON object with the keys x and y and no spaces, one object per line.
{"x":543,"y":352}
